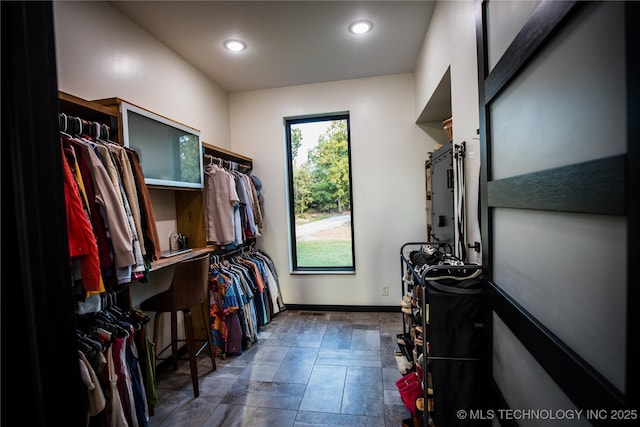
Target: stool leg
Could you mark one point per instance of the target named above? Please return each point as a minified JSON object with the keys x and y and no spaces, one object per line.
{"x":207,"y":327}
{"x":156,"y":327}
{"x":191,"y":349}
{"x":174,"y":339}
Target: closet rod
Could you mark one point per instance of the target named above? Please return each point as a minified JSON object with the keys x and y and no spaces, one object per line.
{"x":226,"y":164}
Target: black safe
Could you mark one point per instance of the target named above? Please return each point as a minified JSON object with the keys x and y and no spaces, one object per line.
{"x":442,"y":184}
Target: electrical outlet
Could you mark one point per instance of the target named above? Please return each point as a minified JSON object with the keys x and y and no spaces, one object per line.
{"x":385,"y":291}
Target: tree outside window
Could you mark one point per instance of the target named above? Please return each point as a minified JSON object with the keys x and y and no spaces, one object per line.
{"x":320,"y":193}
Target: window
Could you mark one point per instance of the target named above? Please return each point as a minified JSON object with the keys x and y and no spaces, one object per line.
{"x":320,"y":199}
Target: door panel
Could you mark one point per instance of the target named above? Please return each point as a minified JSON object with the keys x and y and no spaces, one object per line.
{"x":556,"y":134}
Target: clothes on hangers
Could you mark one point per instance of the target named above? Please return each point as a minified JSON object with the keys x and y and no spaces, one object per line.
{"x":243,"y":287}
{"x":232,"y":210}
{"x":148,"y":220}
{"x":116,"y":177}
{"x":95,"y":395}
{"x":130,"y":192}
{"x":82,"y":244}
{"x":220,"y":199}
{"x":117,"y":386}
{"x":110,"y":186}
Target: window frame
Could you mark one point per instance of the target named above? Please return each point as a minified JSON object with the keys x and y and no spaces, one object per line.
{"x":293,"y":251}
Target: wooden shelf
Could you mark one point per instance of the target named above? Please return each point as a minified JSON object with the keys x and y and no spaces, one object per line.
{"x":74,"y":106}
{"x":89,"y":110}
{"x":225,"y":154}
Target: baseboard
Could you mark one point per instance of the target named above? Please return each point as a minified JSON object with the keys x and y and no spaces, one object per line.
{"x":348,"y":308}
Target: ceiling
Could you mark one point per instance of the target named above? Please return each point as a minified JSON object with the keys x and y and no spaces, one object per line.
{"x":288,"y":42}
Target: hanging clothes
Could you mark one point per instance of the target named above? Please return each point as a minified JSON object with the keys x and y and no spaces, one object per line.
{"x":115,"y":176}
{"x":247,"y":220}
{"x":96,"y":398}
{"x":108,"y":341}
{"x":217,"y":289}
{"x":116,"y":415}
{"x":241,"y":298}
{"x":117,"y":223}
{"x":82,"y":243}
{"x":129,"y":187}
{"x":232,"y":209}
{"x":96,"y":216}
{"x":220,"y":199}
{"x":255,"y":204}
{"x":271,"y":278}
{"x":110,"y":185}
{"x":149,"y":230}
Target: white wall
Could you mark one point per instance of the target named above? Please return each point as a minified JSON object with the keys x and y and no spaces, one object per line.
{"x":451,"y":42}
{"x":434,"y":58}
{"x":387,"y":152}
{"x":102,"y":54}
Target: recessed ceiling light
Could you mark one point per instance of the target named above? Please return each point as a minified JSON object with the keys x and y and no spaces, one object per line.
{"x":235,"y":45}
{"x":360,"y":27}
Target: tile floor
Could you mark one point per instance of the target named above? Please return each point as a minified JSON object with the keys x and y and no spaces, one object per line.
{"x":306,"y":369}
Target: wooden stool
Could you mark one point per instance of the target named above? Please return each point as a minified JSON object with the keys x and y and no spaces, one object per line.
{"x":189,"y":288}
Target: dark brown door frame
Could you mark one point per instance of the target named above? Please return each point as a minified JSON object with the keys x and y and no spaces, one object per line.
{"x":40,"y":369}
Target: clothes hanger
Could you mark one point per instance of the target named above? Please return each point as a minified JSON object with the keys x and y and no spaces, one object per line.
{"x":86,"y":125}
{"x":77,"y":125}
{"x":95,"y":130}
{"x":63,"y":122}
{"x":104,"y":132}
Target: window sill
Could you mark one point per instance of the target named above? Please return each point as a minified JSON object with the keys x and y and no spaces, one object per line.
{"x":321,"y":272}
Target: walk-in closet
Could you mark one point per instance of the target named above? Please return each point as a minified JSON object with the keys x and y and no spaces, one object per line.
{"x":153,"y":190}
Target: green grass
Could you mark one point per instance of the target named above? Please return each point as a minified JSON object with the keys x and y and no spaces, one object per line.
{"x":324,"y":253}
